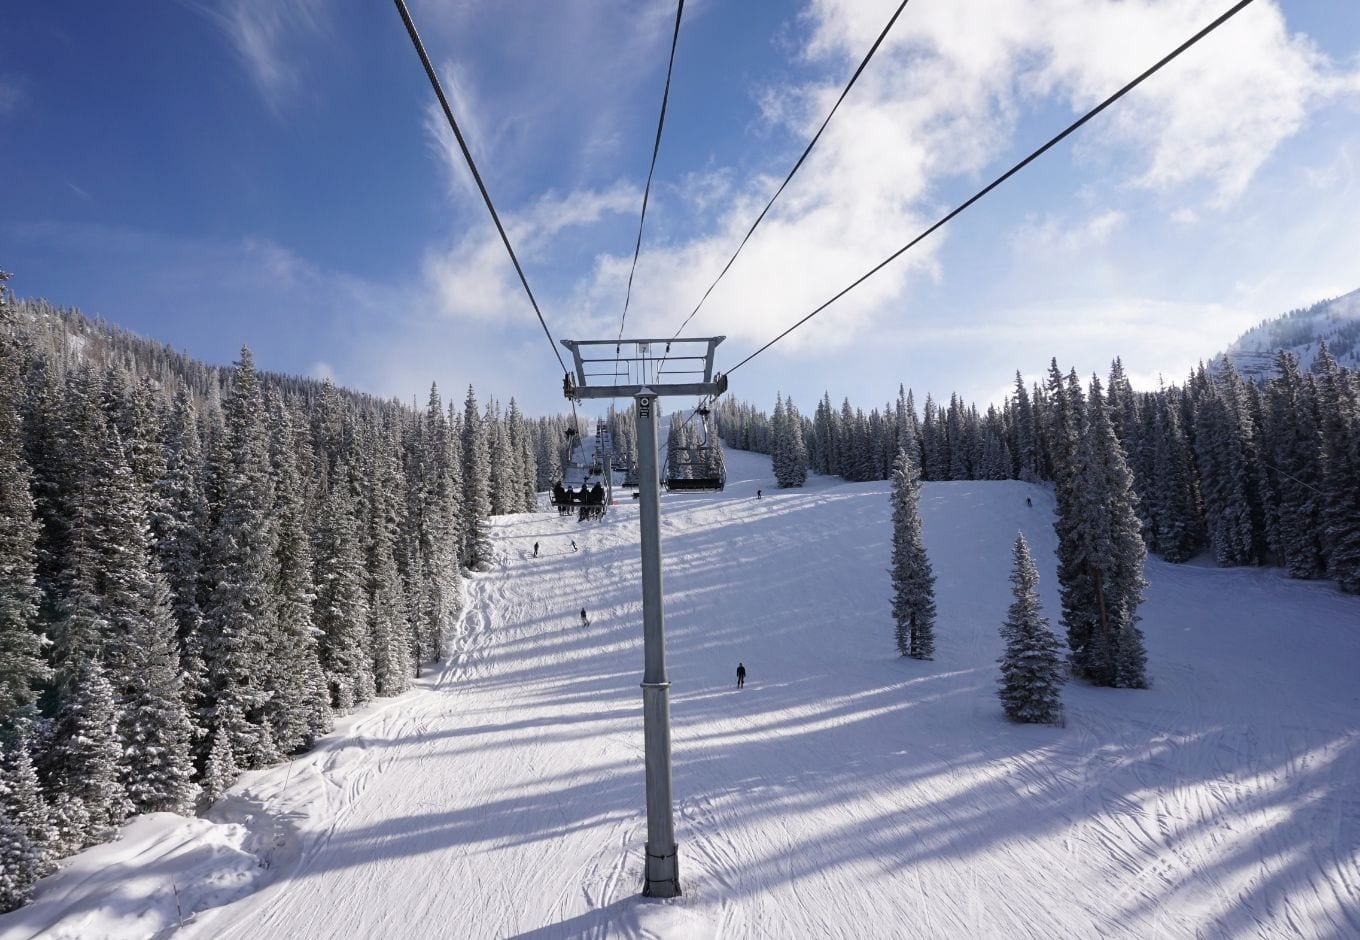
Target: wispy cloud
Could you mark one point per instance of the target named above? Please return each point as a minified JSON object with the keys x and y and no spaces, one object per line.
{"x":268,"y":37}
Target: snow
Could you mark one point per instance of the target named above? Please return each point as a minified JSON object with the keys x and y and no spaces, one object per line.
{"x":845,"y":792}
{"x":1253,"y":353}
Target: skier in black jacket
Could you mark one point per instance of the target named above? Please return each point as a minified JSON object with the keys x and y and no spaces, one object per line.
{"x":741,"y":675}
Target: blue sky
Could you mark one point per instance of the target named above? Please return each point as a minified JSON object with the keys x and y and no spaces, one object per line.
{"x":218,"y":172}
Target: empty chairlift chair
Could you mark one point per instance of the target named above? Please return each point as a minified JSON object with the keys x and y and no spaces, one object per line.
{"x":697,"y":467}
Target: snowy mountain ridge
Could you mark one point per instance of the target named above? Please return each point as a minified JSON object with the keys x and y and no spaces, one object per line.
{"x":1335,"y":321}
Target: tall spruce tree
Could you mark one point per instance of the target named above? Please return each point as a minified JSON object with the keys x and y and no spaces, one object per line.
{"x":1102,"y":543}
{"x":1031,"y":666}
{"x":299,"y":708}
{"x":388,"y":630}
{"x":1291,"y":468}
{"x":913,"y":579}
{"x":476,"y":487}
{"x":1338,"y":395}
{"x":22,"y":669}
{"x":341,"y":610}
{"x":788,"y":456}
{"x":1175,"y":526}
{"x":180,"y":527}
{"x":242,"y":612}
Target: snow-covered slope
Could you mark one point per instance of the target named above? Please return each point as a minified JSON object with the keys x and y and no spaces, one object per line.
{"x":1335,"y":322}
{"x":845,"y":792}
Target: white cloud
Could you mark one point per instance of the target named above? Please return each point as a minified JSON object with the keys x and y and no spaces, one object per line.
{"x":1053,"y":235}
{"x":267,"y":37}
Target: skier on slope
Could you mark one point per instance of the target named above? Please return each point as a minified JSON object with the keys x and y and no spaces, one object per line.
{"x":535,"y":549}
{"x":741,"y":675}
{"x":585,"y":621}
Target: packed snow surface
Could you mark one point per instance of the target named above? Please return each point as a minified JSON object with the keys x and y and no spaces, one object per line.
{"x":845,"y":792}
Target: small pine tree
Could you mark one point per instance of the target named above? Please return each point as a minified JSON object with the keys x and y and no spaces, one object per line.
{"x":1031,"y":667}
{"x":70,"y":824}
{"x":221,"y":771}
{"x":85,"y":758}
{"x":912,"y":578}
{"x":21,"y":796}
{"x":155,"y":728}
{"x":20,"y":863}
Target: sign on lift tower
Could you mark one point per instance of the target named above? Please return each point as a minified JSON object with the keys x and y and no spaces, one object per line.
{"x":653,"y":368}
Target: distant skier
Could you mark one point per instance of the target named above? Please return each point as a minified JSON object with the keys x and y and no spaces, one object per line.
{"x":757,"y":494}
{"x":1028,"y":501}
{"x":573,"y":545}
{"x":585,"y":621}
{"x":535,"y":549}
{"x":741,"y":676}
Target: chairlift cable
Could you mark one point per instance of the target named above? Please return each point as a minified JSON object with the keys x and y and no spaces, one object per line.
{"x":1231,"y":12}
{"x":797,"y":164}
{"x":467,"y":155}
{"x":647,"y":190}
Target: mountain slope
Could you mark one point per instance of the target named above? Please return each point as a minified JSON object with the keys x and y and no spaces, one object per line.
{"x":1335,"y":322}
{"x":845,"y":792}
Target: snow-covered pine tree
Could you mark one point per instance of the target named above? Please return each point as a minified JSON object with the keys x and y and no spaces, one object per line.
{"x":1026,"y":449}
{"x":1031,"y":666}
{"x":1175,"y":517}
{"x":1103,"y":544}
{"x":956,"y":431}
{"x":299,"y":708}
{"x":441,"y":529}
{"x":788,"y":456}
{"x":241,"y":616}
{"x":389,"y":633}
{"x":220,"y":771}
{"x":157,"y":765}
{"x":84,"y":758}
{"x":20,"y":863}
{"x":504,"y":483}
{"x":21,"y":795}
{"x":22,"y":668}
{"x":1338,"y":397}
{"x":43,"y":428}
{"x":79,"y":626}
{"x":521,"y":447}
{"x":908,"y":427}
{"x":341,"y":610}
{"x":476,"y":483}
{"x":180,"y":528}
{"x":1224,"y":445}
{"x":1291,"y":468}
{"x":913,"y":579}
{"x":797,"y":454}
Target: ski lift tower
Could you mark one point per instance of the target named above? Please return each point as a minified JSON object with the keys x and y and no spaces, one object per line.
{"x":645,"y":370}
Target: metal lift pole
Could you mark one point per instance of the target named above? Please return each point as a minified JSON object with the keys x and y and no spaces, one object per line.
{"x":662,"y":878}
{"x":663,"y":871}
